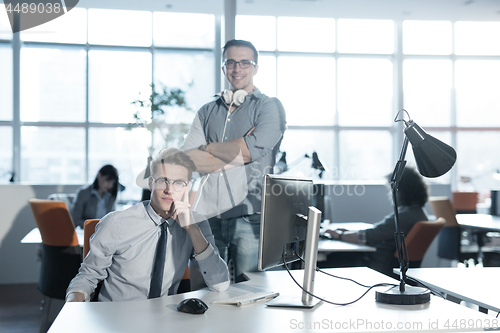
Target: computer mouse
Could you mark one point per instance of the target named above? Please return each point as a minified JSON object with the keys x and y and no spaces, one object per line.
{"x":193,"y":306}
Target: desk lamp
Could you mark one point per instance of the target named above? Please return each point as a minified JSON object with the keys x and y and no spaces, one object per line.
{"x":282,"y":166}
{"x":434,"y":158}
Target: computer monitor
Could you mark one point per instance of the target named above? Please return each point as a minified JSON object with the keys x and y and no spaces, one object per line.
{"x":289,"y":230}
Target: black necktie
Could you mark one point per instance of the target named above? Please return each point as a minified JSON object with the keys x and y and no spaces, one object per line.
{"x":159,"y":263}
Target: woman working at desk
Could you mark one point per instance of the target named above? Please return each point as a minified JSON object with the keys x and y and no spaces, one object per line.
{"x":98,"y":199}
{"x":412,"y":195}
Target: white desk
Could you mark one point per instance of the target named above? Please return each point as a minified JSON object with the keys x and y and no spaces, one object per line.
{"x":474,"y":285}
{"x":160,"y":315}
{"x":34,"y":237}
{"x":483,"y":222}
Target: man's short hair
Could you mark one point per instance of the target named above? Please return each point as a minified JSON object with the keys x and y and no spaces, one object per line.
{"x":239,"y":42}
{"x":172,"y":156}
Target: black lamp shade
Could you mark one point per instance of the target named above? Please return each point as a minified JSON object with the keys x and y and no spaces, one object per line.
{"x":433,"y":157}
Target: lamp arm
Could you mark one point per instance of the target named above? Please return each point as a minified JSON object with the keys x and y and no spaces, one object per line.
{"x":398,"y":235}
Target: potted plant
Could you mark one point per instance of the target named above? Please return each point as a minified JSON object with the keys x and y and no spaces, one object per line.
{"x":161,"y":113}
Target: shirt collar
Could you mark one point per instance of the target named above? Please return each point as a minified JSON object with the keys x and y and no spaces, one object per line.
{"x":157,"y":219}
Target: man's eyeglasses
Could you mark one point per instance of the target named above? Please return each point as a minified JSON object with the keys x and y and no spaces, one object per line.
{"x":177,"y":185}
{"x":231,"y":64}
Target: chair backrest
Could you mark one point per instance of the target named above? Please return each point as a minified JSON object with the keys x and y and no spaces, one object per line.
{"x":420,"y":238}
{"x":442,"y":207}
{"x":61,"y":253}
{"x":88,"y":231}
{"x":54,"y":222}
{"x":465,"y":202}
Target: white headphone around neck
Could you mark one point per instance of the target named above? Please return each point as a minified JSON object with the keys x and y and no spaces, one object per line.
{"x":237,"y":98}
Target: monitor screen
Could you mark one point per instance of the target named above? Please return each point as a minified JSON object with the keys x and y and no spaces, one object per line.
{"x":285,"y":204}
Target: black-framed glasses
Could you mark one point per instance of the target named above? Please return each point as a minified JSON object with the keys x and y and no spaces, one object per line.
{"x":244,"y":64}
{"x":161,"y":184}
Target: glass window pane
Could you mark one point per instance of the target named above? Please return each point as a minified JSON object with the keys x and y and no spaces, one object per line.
{"x":53,"y":84}
{"x":180,"y":69}
{"x":477,"y":87}
{"x":427,"y":88}
{"x":427,"y":37}
{"x":365,"y":155}
{"x":365,"y":92}
{"x":120,"y":27}
{"x":184,"y":30}
{"x":52,"y":155}
{"x":365,"y":36}
{"x":479,"y":38}
{"x":5,"y":27}
{"x":126,"y":150}
{"x":68,"y":28}
{"x":298,"y":143}
{"x":6,"y":82}
{"x":5,"y":154}
{"x":265,"y":79}
{"x":476,"y":160}
{"x":314,"y":102}
{"x":306,"y":34}
{"x":117,"y":78}
{"x":263,"y":38}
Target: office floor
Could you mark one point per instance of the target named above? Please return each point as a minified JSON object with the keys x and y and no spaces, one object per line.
{"x":20,"y":308}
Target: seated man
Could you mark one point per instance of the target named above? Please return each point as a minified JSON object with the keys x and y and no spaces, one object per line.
{"x":125,"y":244}
{"x":412,"y":195}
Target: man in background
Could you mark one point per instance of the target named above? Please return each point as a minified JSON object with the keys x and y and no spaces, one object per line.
{"x":233,"y":142}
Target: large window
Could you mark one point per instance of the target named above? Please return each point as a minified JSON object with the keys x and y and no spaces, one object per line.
{"x":79,"y":75}
{"x":341,"y":82}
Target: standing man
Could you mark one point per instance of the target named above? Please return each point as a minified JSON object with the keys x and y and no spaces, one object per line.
{"x":234,"y":141}
{"x":142,"y":252}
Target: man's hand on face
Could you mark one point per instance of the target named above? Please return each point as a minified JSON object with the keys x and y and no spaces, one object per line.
{"x":180,"y":211}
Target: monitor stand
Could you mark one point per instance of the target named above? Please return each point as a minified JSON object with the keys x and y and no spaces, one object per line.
{"x":311,"y":253}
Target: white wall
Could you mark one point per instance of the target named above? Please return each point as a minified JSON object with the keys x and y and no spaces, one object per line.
{"x":18,"y":262}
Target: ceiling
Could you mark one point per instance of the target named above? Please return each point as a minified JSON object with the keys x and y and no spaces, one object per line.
{"x":474,"y":10}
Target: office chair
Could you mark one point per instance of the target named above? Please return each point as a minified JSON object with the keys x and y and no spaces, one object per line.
{"x":465,"y":202}
{"x":449,"y":246}
{"x":61,"y":253}
{"x":88,"y":231}
{"x":420,"y":238}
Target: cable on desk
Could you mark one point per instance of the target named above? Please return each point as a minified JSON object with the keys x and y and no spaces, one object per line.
{"x":330,"y":302}
{"x":435,"y":292}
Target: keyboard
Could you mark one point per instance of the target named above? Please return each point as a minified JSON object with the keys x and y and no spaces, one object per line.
{"x":248,"y":298}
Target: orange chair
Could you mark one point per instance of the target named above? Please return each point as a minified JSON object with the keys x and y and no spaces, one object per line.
{"x":88,"y":231}
{"x":420,"y":238}
{"x":465,"y":202}
{"x":61,"y":253}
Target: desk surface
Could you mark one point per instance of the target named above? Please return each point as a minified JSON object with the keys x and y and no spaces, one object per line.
{"x":366,"y":315}
{"x":475,"y":285}
{"x":34,"y":237}
{"x":479,"y":221}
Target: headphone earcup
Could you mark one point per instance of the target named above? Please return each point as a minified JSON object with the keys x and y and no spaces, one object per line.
{"x":239,"y":97}
{"x":228,"y":96}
